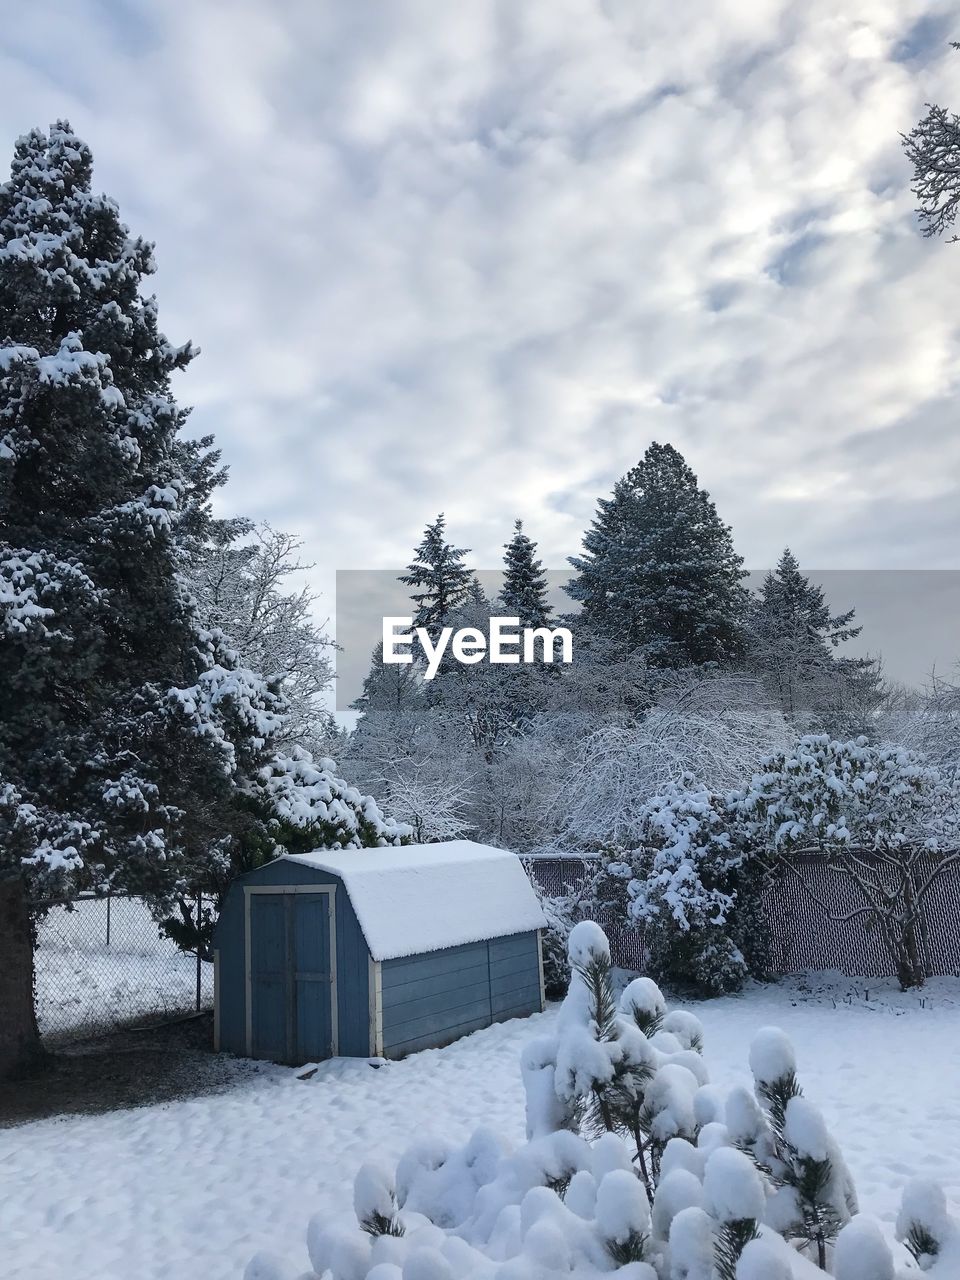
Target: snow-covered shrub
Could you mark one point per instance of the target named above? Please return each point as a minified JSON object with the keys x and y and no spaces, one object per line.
{"x":862,"y":1253}
{"x":694,"y":888}
{"x":925,"y":1226}
{"x":635,"y":1166}
{"x":814,"y":1193}
{"x":735,"y":1198}
{"x":883,"y":817}
{"x":559,"y":912}
{"x":307,"y":806}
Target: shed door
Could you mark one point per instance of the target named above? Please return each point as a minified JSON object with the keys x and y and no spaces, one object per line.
{"x":291,"y":979}
{"x":269,"y":988}
{"x":313,"y":981}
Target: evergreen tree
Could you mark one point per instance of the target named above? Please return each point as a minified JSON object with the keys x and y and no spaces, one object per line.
{"x":658,"y":570}
{"x":524,"y":591}
{"x":792,"y":641}
{"x":122,"y":723}
{"x":440,"y":578}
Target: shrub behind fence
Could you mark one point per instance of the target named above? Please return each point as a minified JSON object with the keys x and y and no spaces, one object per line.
{"x":803,"y":935}
{"x":101,"y":963}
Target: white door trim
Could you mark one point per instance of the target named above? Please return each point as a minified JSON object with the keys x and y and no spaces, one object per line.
{"x":375,"y":989}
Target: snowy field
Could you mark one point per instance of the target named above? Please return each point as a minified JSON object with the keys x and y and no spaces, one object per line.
{"x":85,"y":983}
{"x":188,"y":1191}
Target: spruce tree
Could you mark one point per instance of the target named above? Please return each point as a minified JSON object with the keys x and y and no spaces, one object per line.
{"x":793,"y":638}
{"x":439,"y":577}
{"x":659,"y":571}
{"x":524,"y":591}
{"x":122,"y":724}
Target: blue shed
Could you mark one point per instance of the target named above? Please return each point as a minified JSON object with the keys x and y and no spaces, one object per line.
{"x":375,"y":952}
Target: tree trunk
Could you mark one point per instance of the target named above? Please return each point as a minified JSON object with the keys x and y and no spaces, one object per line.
{"x":19,"y":1037}
{"x":911,"y":961}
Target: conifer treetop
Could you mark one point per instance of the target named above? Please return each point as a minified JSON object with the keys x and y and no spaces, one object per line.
{"x":441,"y":579}
{"x":524,"y":591}
{"x":658,"y":568}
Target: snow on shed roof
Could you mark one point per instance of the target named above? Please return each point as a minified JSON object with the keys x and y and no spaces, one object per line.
{"x":424,"y":897}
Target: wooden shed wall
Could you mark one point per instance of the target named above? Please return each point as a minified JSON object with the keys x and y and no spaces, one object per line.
{"x":428,"y":1000}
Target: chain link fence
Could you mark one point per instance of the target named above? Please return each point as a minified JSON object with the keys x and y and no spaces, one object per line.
{"x":803,"y":935}
{"x":101,"y":963}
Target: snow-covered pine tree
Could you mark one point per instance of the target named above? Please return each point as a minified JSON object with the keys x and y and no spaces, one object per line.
{"x":792,"y":643}
{"x":815,"y":1194}
{"x":439,"y":577}
{"x":659,"y":570}
{"x":925,"y":1226}
{"x":524,"y":591}
{"x":121,"y":723}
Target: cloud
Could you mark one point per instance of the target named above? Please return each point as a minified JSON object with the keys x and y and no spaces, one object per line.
{"x":475,"y":257}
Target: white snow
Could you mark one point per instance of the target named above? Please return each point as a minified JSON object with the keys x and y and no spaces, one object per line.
{"x":643,"y":997}
{"x":862,"y":1253}
{"x":771,"y":1055}
{"x":621,"y":1207}
{"x":763,"y":1260}
{"x":194,"y":1190}
{"x":424,"y":897}
{"x":732,"y":1187}
{"x":587,"y":942}
{"x":804,"y":1129}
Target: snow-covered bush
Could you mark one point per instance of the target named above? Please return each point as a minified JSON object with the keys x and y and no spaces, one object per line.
{"x":307,"y":806}
{"x":559,"y":912}
{"x":925,"y":1226}
{"x":814,"y":1193}
{"x":694,"y":888}
{"x":634,"y":1166}
{"x":885,"y":819}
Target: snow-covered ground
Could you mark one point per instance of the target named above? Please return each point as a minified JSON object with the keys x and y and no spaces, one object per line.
{"x":190,"y":1191}
{"x":85,"y":983}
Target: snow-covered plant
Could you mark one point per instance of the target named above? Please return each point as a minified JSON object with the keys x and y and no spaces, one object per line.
{"x":307,"y":806}
{"x":711,"y":726}
{"x":694,"y":888}
{"x":593,"y":1065}
{"x":574,"y":1202}
{"x":861,"y":1252}
{"x":881,"y":815}
{"x":688,"y":880}
{"x":406,"y":751}
{"x":815,"y":1194}
{"x":117,"y":731}
{"x":617,"y":1069}
{"x":924,"y":1224}
{"x":375,"y":1200}
{"x":240,"y":579}
{"x":559,"y":912}
{"x":734,"y":1195}
{"x":761,"y":1259}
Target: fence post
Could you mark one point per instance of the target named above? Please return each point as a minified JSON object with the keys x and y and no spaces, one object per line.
{"x":108,"y":919}
{"x":199,"y":961}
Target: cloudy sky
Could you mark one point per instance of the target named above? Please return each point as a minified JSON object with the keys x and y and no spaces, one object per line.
{"x":475,"y":256}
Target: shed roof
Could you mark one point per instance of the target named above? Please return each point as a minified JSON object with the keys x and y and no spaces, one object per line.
{"x":425,"y":897}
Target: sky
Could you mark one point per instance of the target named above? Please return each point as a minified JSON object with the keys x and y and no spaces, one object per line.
{"x":474,"y":257}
